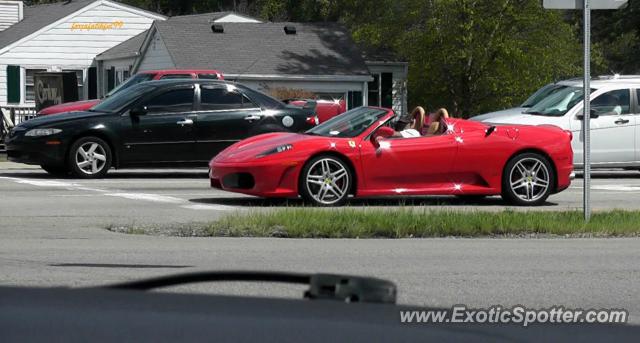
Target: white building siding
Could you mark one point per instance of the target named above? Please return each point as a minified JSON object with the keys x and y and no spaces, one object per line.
{"x":67,"y":46}
{"x":119,"y":64}
{"x":71,"y":44}
{"x":10,"y":13}
{"x":157,"y":56}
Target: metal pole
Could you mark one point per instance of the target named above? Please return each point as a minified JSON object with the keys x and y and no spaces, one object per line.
{"x":586,"y":122}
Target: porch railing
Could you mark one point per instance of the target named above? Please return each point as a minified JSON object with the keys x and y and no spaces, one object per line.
{"x":12,"y":116}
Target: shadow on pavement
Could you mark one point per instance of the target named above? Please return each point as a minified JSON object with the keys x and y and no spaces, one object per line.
{"x":369,"y":202}
{"x":38,"y":174}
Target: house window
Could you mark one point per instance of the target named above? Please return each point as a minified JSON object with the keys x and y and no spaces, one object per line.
{"x":111,"y":78}
{"x":80,"y":77}
{"x":30,"y":90}
{"x":354,"y":99}
{"x":381,"y":90}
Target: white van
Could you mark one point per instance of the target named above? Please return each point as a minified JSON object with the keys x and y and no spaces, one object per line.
{"x":615,"y":119}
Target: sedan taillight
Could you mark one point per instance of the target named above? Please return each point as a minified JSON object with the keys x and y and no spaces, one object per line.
{"x":313,"y":120}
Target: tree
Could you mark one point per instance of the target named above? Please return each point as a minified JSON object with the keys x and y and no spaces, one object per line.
{"x":470,"y":56}
{"x":473,"y":56}
{"x":617,"y":35}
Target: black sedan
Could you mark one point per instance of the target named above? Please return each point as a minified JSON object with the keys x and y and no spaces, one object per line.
{"x":153,"y":124}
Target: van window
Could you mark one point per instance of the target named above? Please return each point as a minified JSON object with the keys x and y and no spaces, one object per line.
{"x":612,"y":103}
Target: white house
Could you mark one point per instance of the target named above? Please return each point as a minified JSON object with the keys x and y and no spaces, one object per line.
{"x":63,"y":36}
{"x":116,"y":64}
{"x":317,"y":57}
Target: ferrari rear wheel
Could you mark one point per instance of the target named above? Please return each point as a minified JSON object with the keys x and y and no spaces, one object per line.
{"x":528,"y":180}
{"x":325,"y":181}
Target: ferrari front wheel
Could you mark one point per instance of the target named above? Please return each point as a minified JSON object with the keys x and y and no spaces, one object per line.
{"x":527,"y":180}
{"x":325,"y":181}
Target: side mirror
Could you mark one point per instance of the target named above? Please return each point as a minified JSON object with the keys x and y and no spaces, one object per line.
{"x":384,"y":132}
{"x":138,"y":111}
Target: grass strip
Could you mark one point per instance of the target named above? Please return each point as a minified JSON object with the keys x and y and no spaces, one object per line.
{"x":406,"y":223}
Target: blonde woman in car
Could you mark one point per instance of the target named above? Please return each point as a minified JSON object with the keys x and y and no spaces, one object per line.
{"x":416,"y":126}
{"x":436,"y":122}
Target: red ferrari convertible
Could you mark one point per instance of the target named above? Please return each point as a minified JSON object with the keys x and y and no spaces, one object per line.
{"x":354,"y":154}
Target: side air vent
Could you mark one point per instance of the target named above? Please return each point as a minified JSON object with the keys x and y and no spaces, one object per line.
{"x":290,"y":30}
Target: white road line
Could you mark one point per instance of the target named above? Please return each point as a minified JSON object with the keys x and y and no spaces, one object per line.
{"x":147,"y":197}
{"x":75,"y":195}
{"x":39,"y":183}
{"x":119,"y":193}
{"x":620,"y":188}
{"x":210,"y":207}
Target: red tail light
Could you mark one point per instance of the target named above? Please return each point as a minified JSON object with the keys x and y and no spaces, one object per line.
{"x":570,"y":134}
{"x":313,"y":120}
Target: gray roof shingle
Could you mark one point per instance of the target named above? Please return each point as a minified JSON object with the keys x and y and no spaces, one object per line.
{"x":129,"y":48}
{"x":133,"y":46}
{"x":37,"y":17}
{"x":264,"y":49}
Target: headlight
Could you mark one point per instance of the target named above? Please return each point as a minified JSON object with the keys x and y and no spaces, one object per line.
{"x":276,"y":150}
{"x":42,"y":132}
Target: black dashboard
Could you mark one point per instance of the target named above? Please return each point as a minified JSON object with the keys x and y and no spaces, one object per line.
{"x":117,"y":315}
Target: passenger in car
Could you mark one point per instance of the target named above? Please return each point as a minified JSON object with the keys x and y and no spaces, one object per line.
{"x":436,"y":124}
{"x":416,"y":127}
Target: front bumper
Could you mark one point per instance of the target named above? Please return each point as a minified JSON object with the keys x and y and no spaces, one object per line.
{"x":276,"y":179}
{"x":37,"y":151}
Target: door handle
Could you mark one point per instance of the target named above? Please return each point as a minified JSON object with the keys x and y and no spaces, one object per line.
{"x":622,"y":121}
{"x":185,"y":122}
{"x":252,"y":118}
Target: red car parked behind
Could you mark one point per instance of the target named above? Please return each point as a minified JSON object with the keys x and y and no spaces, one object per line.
{"x":149,"y":75}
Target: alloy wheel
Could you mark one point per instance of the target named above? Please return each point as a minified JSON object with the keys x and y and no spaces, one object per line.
{"x":91,"y":158}
{"x":529,"y":179}
{"x":327,"y":181}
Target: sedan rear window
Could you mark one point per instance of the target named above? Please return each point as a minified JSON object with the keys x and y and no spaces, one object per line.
{"x":208,"y":76}
{"x":216,"y":99}
{"x":176,"y":76}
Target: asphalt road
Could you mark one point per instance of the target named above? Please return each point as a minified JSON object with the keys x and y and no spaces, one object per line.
{"x":52,"y":234}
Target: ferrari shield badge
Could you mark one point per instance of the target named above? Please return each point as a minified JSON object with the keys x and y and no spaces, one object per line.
{"x":352,"y":144}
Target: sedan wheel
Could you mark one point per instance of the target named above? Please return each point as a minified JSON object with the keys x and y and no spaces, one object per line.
{"x":90,"y":158}
{"x":528,"y":180}
{"x":325,"y":181}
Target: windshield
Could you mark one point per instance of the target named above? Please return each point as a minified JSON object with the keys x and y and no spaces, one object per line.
{"x":558,"y":103}
{"x":542,"y":93}
{"x":349,"y":124}
{"x":134,"y":80}
{"x":122,"y":99}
